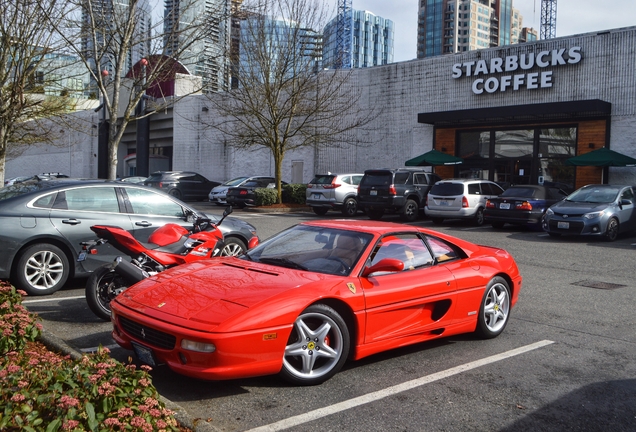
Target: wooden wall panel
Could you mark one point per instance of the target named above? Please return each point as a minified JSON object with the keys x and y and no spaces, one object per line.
{"x":445,"y":142}
{"x":590,"y":132}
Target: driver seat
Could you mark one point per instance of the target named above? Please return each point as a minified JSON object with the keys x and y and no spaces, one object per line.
{"x":347,"y":248}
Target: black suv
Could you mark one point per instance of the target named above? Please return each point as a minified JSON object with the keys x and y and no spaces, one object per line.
{"x":401,"y":190}
{"x":183,"y":185}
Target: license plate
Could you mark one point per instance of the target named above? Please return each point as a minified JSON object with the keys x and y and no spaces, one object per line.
{"x":373,"y":192}
{"x":317,"y":196}
{"x":563,"y":225}
{"x":444,"y":203}
{"x":144,"y":354}
{"x":81,"y":256}
{"x":504,"y":206}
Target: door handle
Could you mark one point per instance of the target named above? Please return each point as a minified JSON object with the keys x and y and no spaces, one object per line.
{"x":143,"y":224}
{"x":71,"y":221}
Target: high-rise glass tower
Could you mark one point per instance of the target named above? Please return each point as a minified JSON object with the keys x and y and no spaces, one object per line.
{"x":106,"y":15}
{"x":451,"y":26}
{"x":197,"y":33}
{"x":371,"y":45}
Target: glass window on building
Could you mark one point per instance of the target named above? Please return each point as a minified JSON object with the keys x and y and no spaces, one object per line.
{"x":555,"y":146}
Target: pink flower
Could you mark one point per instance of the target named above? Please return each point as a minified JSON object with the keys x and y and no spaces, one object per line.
{"x":17,"y":397}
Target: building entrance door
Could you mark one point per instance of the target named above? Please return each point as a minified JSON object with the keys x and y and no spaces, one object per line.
{"x":512,"y":171}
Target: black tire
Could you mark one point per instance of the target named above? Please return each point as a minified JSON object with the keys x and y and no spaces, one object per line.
{"x":611,"y":233}
{"x":437,"y":220}
{"x":175,"y":193}
{"x":41,"y":269}
{"x":375,"y":213}
{"x":320,"y":211}
{"x":317,"y":347}
{"x":478,"y":219}
{"x":410,"y":211}
{"x":497,"y":225}
{"x":495,"y":309}
{"x":350,"y":207}
{"x":102,"y":287}
{"x":233,"y":247}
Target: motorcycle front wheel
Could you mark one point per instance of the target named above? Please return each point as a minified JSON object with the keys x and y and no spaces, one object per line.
{"x":102,"y":287}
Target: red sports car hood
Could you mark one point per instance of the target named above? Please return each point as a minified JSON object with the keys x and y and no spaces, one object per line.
{"x":212,"y":291}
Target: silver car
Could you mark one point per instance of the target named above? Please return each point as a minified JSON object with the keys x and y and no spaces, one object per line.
{"x":43,"y":223}
{"x":334,"y":191}
{"x":596,"y":210}
{"x":218,"y":194}
{"x":460,"y":199}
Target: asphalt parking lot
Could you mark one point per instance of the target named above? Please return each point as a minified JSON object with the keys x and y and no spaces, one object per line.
{"x":566,"y":361}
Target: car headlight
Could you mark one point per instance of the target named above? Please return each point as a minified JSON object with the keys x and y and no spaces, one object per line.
{"x":549,"y":212}
{"x":594,"y":215}
{"x":197,"y":346}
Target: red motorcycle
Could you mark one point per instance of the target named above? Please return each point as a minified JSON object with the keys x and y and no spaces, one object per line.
{"x":167,"y":246}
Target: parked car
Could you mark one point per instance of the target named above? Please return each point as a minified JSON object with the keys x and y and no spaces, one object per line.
{"x":334,"y":191}
{"x":244,"y":195}
{"x":313,"y":296}
{"x":218,"y":193}
{"x":12,"y":180}
{"x":460,"y":199}
{"x":43,"y":223}
{"x":134,"y":179}
{"x":185,"y":185}
{"x":400,"y":190}
{"x":595,"y":210}
{"x":521,"y":205}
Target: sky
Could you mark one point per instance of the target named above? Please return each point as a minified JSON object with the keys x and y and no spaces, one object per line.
{"x":573,"y":17}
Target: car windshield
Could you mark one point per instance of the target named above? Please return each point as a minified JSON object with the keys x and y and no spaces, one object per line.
{"x":235,"y":181}
{"x":21,"y":188}
{"x":447,"y":189}
{"x":316,"y":249}
{"x":322,"y":180}
{"x":524,"y":192}
{"x":595,"y":195}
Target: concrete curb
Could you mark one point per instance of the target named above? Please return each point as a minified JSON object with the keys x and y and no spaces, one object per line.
{"x":184,"y":419}
{"x":276,"y":209}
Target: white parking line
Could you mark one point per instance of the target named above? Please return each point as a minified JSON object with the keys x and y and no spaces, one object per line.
{"x":372,"y":397}
{"x":52,"y":299}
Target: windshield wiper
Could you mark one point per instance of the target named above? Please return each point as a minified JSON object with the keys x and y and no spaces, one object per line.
{"x":285,"y":262}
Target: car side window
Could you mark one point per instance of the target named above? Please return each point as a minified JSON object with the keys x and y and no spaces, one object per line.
{"x":628,"y":195}
{"x":346,"y":179}
{"x":45,"y":201}
{"x":420,"y":179}
{"x":408,"y":248}
{"x":356,"y":180}
{"x":474,"y":189}
{"x":97,"y":199}
{"x":150,"y":203}
{"x":401,"y":177}
{"x":442,"y":251}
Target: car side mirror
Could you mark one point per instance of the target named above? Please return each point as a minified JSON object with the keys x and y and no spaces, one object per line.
{"x":625,"y":202}
{"x":228,"y":211}
{"x":384,"y":265}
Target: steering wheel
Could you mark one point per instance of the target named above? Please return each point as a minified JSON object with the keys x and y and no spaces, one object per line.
{"x":345,"y":267}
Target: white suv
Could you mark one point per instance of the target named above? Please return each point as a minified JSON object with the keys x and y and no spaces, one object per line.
{"x":460,"y":199}
{"x":334,"y":191}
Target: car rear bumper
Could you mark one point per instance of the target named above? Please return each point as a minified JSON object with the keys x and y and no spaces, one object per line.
{"x":451,"y":214}
{"x":525,"y":218}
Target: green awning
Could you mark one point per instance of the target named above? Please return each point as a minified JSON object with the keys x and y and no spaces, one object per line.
{"x":434,"y":158}
{"x":602,"y":157}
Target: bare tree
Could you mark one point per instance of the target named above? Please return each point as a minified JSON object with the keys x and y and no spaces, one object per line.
{"x":284,"y":100}
{"x":33,"y":77}
{"x":127,"y":55}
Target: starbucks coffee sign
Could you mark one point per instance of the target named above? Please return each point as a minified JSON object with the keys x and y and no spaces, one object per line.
{"x":513,"y":69}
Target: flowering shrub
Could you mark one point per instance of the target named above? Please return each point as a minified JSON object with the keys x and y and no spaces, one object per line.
{"x":43,"y":391}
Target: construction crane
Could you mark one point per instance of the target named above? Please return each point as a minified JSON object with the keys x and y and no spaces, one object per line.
{"x":344,"y":34}
{"x":548,"y":19}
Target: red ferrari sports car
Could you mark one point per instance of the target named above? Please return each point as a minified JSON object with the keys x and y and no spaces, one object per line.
{"x":313,"y":296}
